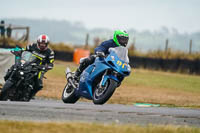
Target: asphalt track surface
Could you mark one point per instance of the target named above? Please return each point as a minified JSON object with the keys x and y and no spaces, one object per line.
{"x":56,"y":110}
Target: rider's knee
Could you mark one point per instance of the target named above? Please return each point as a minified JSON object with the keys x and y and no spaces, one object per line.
{"x":83,"y":60}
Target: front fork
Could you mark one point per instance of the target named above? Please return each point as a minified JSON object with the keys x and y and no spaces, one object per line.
{"x":107,"y":76}
{"x":102,"y":79}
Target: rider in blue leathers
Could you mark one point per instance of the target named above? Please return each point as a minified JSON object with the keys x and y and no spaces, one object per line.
{"x":120,"y":38}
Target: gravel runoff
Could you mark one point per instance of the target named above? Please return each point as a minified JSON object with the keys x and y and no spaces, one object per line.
{"x":55,"y":110}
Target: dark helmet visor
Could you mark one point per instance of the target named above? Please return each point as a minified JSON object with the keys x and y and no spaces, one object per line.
{"x":123,"y":40}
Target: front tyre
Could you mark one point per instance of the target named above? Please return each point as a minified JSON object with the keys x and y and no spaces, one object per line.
{"x":68,"y":95}
{"x":102,"y":95}
{"x":4,"y":91}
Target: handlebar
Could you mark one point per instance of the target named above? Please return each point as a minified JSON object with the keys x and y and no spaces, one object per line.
{"x":41,"y":67}
{"x":16,"y":53}
{"x":100,"y":54}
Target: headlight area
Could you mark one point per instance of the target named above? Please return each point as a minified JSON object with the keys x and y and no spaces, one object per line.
{"x":117,"y":74}
{"x":128,"y":67}
{"x":21,"y":72}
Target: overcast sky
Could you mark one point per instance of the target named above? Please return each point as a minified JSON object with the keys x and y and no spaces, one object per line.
{"x":183,"y":15}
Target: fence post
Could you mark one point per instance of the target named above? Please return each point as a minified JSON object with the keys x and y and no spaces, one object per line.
{"x":86,"y":41}
{"x":166,"y":45}
{"x":27,"y":34}
{"x":96,"y":41}
{"x":132,"y":47}
{"x":190,"y":47}
{"x":134,"y":41}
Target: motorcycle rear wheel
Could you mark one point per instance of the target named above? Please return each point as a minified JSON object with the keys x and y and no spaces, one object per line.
{"x":68,"y":95}
{"x":102,"y":95}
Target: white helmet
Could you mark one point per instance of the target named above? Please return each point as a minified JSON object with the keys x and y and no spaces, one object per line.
{"x":43,"y":39}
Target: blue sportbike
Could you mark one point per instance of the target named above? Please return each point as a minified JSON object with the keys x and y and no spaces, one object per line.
{"x":100,"y":79}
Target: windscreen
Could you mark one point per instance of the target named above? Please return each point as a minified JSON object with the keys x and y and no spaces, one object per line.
{"x":27,"y":57}
{"x":122,"y":53}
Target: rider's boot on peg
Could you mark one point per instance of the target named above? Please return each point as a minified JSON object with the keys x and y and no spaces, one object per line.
{"x":79,"y":70}
{"x":77,"y":75}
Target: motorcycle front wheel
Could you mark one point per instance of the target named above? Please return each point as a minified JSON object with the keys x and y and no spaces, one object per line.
{"x":5,"y":90}
{"x":68,"y":95}
{"x":102,"y":95}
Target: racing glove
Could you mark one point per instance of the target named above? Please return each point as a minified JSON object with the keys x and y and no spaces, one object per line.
{"x":100,"y":54}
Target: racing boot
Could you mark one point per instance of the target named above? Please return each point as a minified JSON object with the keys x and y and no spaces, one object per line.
{"x":38,"y":86}
{"x":79,"y":70}
{"x":77,"y":75}
{"x":84,"y":63}
{"x":33,"y":95}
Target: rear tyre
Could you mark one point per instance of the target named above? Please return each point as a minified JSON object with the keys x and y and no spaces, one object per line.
{"x":68,"y":95}
{"x":102,"y":95}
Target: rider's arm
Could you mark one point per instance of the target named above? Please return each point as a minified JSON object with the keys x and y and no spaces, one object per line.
{"x":29,"y":47}
{"x":104,"y":46}
{"x":50,"y":61}
{"x":100,"y":54}
{"x":100,"y":48}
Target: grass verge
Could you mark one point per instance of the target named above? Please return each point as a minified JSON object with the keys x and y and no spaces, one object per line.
{"x":48,"y":127}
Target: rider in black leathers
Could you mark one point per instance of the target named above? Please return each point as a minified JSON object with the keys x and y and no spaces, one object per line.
{"x":41,"y":49}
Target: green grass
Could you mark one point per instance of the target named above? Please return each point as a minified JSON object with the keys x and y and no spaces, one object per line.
{"x":75,"y":127}
{"x":59,"y":69}
{"x":147,"y":78}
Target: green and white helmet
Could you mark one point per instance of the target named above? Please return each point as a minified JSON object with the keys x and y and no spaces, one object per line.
{"x":120,"y":38}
